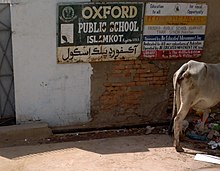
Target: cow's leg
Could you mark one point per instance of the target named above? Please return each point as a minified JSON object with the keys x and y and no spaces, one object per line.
{"x":184,"y":109}
{"x":204,"y":118}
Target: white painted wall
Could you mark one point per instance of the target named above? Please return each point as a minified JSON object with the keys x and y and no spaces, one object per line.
{"x":44,"y":90}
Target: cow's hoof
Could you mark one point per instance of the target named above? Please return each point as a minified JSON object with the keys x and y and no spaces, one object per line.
{"x":179,"y":149}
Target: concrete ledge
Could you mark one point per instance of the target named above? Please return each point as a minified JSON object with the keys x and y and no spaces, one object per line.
{"x":30,"y":131}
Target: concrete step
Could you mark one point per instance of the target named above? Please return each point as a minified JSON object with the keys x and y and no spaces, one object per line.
{"x":24,"y":132}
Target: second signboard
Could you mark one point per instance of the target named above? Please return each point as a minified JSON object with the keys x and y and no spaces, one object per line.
{"x":174,"y":30}
{"x":90,"y":32}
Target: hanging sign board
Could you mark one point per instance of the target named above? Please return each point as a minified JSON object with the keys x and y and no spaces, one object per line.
{"x":174,"y":30}
{"x":90,"y":32}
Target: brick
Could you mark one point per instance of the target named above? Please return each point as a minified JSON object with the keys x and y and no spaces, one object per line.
{"x":109,"y":97}
{"x":127,"y":74}
{"x":129,"y":66}
{"x":143,"y":79}
{"x":156,"y":83}
{"x":131,"y":101}
{"x":131,"y":111}
{"x":111,"y":102}
{"x":158,"y":86}
{"x":145,"y":66}
{"x":122,"y":80}
{"x":107,"y":93}
{"x":116,"y":72}
{"x":160,"y":82}
{"x":163,"y":78}
{"x":119,"y":67}
{"x":125,"y":62}
{"x":154,"y":68}
{"x":132,"y":71}
{"x":116,"y":75}
{"x":156,"y":78}
{"x":138,"y":62}
{"x":136,"y":79}
{"x":144,"y":75}
{"x":107,"y":84}
{"x":142,"y":83}
{"x":117,"y":84}
{"x":146,"y":62}
{"x":106,"y":107}
{"x":110,"y":88}
{"x":131,"y":97}
{"x":141,"y":70}
{"x":158,"y":74}
{"x":137,"y":66}
{"x":130,"y":84}
{"x":151,"y":82}
{"x":131,"y":62}
{"x":127,"y":105}
{"x":122,"y":88}
{"x":136,"y":93}
{"x":137,"y":75}
{"x":150,"y":78}
{"x":165,"y":71}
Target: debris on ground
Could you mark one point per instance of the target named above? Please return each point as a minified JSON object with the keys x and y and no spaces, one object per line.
{"x":209,"y":134}
{"x":196,"y":136}
{"x":149,"y":130}
{"x":97,"y":134}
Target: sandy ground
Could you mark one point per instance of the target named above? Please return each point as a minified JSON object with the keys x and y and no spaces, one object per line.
{"x":152,"y":152}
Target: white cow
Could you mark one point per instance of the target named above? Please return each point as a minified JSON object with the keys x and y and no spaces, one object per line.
{"x":196,"y":86}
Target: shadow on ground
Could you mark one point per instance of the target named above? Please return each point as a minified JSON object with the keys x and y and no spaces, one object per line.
{"x":128,"y":144}
{"x":106,"y":146}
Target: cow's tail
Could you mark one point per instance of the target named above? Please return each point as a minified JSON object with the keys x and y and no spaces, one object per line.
{"x":177,"y":76}
{"x":170,"y":130}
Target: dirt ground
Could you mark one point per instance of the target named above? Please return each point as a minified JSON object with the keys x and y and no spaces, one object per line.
{"x":153,"y":152}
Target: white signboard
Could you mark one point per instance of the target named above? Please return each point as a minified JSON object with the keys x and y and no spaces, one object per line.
{"x":174,"y":30}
